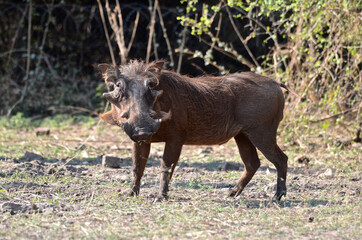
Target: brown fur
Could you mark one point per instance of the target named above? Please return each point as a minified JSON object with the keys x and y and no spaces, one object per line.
{"x":204,"y":111}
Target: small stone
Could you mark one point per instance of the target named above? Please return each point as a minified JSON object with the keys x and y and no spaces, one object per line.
{"x":13,"y":208}
{"x":26,"y":165}
{"x":42,"y":131}
{"x":29,"y":156}
{"x":37,"y":163}
{"x":228,"y":166}
{"x":111,"y":162}
{"x":123,"y":177}
{"x":74,"y":169}
{"x":51,"y":170}
{"x":327,"y":174}
{"x":303,"y":160}
{"x":207,"y":149}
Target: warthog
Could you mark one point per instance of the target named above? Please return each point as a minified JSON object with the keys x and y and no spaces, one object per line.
{"x":155,"y":105}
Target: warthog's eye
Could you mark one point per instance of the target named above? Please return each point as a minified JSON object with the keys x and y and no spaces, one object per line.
{"x":153,"y":113}
{"x":123,"y":96}
{"x":148,"y":96}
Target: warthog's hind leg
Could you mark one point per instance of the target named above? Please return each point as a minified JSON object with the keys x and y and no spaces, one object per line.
{"x":280,"y":161}
{"x":265,"y":141}
{"x":275,"y":155}
{"x":251,"y":162}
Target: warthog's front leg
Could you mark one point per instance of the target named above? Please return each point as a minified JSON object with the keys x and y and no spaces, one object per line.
{"x":140,"y":154}
{"x":169,"y":161}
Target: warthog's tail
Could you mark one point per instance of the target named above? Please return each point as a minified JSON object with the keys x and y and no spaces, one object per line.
{"x":289,"y":90}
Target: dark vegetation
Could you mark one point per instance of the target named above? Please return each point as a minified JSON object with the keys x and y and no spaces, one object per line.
{"x":47,"y":53}
{"x":66,"y":40}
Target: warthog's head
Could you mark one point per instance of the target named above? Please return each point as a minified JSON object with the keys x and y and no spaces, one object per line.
{"x":133,"y":98}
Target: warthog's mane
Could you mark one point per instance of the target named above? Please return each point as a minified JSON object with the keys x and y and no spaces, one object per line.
{"x":137,"y":68}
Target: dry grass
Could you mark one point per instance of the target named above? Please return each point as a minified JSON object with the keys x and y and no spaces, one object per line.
{"x":82,"y":200}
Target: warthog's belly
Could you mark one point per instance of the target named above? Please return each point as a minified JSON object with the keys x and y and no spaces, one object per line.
{"x":212,"y":134}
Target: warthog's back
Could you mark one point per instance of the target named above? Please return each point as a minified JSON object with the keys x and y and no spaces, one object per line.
{"x":211,"y":110}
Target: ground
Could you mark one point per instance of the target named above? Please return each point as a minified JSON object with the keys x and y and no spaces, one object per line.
{"x":65,"y":193}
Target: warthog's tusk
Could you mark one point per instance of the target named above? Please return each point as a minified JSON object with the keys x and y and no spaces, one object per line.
{"x":165,"y":116}
{"x":111,"y":96}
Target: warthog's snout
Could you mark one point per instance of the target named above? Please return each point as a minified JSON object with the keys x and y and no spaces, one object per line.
{"x":142,"y":136}
{"x":138,"y":134}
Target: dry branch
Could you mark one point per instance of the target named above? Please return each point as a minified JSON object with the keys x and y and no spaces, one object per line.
{"x":23,"y":92}
{"x":165,"y":36}
{"x":242,"y":40}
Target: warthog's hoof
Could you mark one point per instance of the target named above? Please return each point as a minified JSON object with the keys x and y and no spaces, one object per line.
{"x":235,"y":192}
{"x":160,"y":198}
{"x":133,"y":192}
{"x":279,"y":195}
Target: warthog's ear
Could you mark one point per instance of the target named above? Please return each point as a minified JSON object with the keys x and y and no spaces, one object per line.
{"x":109,"y":72}
{"x":156,"y":66}
{"x":107,"y":117}
{"x":103,"y":67}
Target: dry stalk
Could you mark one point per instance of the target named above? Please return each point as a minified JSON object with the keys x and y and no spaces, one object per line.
{"x":135,"y":25}
{"x":120,"y":34}
{"x":155,"y":46}
{"x":152,"y":28}
{"x":182,"y":46}
{"x":295,"y":48}
{"x":115,"y":19}
{"x":106,"y":32}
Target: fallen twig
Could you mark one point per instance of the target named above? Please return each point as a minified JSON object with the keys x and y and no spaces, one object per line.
{"x":81,"y":109}
{"x":334,"y":115}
